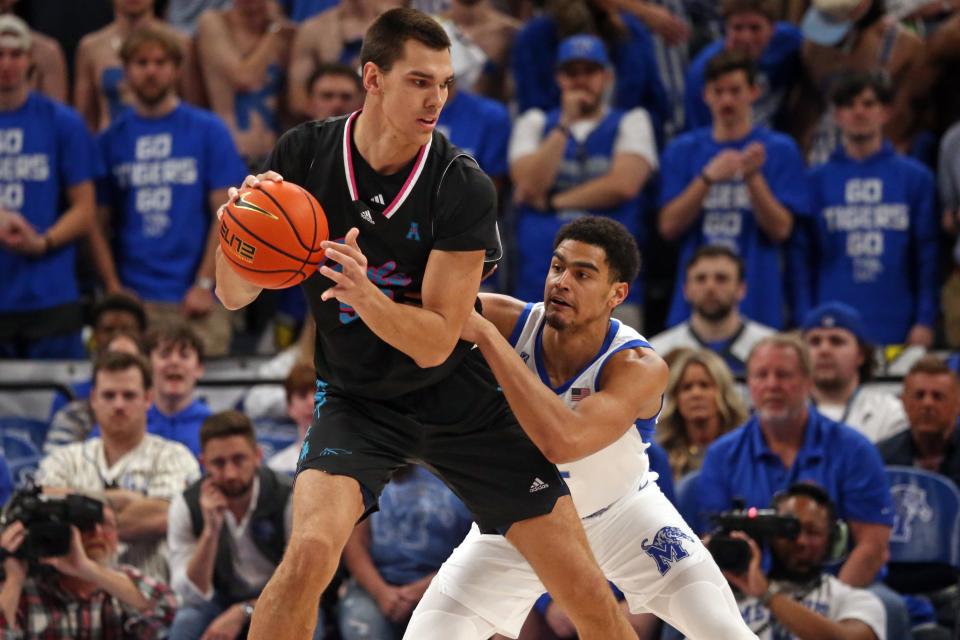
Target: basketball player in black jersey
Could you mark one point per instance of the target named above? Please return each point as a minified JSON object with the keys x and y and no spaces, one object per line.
{"x":411,"y":217}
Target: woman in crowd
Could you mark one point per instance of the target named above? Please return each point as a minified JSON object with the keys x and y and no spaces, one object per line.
{"x":701,"y":404}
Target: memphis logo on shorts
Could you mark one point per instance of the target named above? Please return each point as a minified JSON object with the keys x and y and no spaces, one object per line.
{"x":666,"y":548}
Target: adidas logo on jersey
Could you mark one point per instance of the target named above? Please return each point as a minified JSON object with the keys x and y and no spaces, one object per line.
{"x":538,"y":485}
{"x":365,"y":214}
{"x":378,"y":199}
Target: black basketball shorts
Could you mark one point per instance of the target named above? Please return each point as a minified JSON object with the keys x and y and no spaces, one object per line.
{"x":461,"y":429}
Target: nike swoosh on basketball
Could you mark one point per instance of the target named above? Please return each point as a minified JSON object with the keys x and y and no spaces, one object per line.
{"x":241,"y":203}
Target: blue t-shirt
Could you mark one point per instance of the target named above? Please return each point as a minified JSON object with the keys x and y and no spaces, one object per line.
{"x":535,"y":230}
{"x":44,"y":149}
{"x":727,"y":216}
{"x":777,"y":70}
{"x":418,"y":525}
{"x":160,"y":174}
{"x":875,"y":242}
{"x":481,"y":127}
{"x":638,"y":83}
{"x":739,"y":464}
{"x":183,"y":427}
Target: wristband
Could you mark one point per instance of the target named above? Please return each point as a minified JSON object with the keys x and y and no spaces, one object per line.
{"x":706,"y":179}
{"x":205,"y":283}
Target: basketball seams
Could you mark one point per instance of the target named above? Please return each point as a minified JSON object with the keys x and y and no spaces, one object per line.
{"x":286,"y":216}
{"x":253,"y":270}
{"x":258,"y":238}
{"x":255,"y":231}
{"x":316,"y":228}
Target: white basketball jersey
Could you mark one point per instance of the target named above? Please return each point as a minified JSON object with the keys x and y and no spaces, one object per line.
{"x":601,"y":478}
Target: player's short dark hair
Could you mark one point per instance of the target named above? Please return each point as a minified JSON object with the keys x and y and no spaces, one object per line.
{"x":151,"y":35}
{"x":728,"y":62}
{"x":227,"y":424}
{"x":617,"y":242}
{"x":384,"y":40}
{"x":116,"y":361}
{"x":334,"y":69}
{"x":124,"y":303}
{"x":179,"y":334}
{"x":301,"y":379}
{"x":766,"y":8}
{"x":717,"y":251}
{"x":848,"y":86}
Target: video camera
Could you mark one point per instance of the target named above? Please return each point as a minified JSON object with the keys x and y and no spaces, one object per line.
{"x":47,"y":520}
{"x":732,"y":554}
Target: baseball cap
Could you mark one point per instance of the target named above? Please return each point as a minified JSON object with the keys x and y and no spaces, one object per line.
{"x":583,"y":47}
{"x":827,"y":22}
{"x":836,"y":315}
{"x":14,"y":33}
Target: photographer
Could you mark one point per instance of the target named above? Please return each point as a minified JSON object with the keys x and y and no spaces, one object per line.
{"x":80,"y":594}
{"x":798,"y":599}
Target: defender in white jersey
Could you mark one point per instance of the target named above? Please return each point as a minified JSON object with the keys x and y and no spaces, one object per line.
{"x":585,"y":388}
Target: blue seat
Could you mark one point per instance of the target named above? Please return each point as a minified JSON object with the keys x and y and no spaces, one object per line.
{"x":925,"y":541}
{"x":274,"y":436}
{"x":926,"y":525}
{"x":22,"y":442}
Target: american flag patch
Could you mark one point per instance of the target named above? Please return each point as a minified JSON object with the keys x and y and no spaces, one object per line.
{"x":579,"y":393}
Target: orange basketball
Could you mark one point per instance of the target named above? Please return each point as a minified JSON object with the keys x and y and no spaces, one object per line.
{"x":271,"y":234}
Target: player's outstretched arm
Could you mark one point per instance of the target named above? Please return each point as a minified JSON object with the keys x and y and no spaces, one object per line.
{"x":630,"y":388}
{"x":426,"y":333}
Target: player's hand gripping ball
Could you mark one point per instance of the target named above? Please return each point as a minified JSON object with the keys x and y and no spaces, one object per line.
{"x":271,"y":234}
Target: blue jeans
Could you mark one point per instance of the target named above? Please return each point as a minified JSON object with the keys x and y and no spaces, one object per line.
{"x":192,"y":620}
{"x":359,"y":617}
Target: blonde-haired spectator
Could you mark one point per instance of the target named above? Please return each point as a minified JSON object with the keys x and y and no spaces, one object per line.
{"x":701,"y":404}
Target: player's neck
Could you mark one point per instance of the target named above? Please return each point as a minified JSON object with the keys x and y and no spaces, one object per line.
{"x":716,"y":330}
{"x":858,"y":149}
{"x":567,"y":352}
{"x":158,"y":110}
{"x":730,"y":131}
{"x":13,"y":100}
{"x":839,"y":394}
{"x":384,"y":149}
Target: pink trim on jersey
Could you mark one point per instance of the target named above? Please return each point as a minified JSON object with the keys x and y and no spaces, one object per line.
{"x":408,"y":184}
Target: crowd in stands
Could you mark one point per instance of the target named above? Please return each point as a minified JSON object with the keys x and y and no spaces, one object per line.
{"x":790,"y":169}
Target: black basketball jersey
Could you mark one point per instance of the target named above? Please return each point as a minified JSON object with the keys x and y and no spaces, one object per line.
{"x":442,"y":201}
